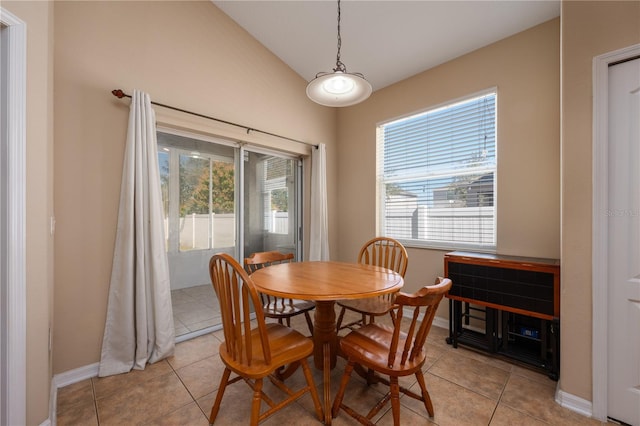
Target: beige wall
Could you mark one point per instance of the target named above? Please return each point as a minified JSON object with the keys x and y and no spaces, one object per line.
{"x":191,"y":55}
{"x":185,"y":54}
{"x":588,"y":29}
{"x":38,"y":17}
{"x":525,"y":69}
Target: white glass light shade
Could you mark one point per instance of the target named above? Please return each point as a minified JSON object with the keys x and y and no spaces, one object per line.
{"x":338,"y":89}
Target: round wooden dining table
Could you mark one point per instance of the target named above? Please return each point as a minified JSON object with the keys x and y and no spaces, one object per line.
{"x":324,"y":283}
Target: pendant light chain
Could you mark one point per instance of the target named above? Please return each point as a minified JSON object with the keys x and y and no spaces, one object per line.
{"x":339,"y":65}
{"x":339,"y":88}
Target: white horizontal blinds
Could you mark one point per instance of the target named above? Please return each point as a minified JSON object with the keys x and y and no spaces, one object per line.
{"x":436,"y":175}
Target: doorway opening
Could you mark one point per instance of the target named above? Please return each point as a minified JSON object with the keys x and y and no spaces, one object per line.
{"x":603,"y":216}
{"x":219,"y":196}
{"x":12,"y":219}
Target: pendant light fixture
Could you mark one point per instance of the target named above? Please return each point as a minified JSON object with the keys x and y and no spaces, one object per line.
{"x":338,"y":88}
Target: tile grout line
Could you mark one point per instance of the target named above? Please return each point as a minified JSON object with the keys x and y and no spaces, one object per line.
{"x":193,"y":399}
{"x":504,"y":387}
{"x":524,"y":413}
{"x":95,"y":401}
{"x":466,"y":388}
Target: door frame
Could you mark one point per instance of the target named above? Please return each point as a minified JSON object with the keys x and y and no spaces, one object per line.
{"x":600,"y":234}
{"x":12,"y":201}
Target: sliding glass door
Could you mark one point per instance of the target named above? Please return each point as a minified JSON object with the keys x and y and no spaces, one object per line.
{"x":213,"y":202}
{"x":270,"y":203}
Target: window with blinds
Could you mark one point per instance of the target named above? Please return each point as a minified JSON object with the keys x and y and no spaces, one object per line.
{"x":436,"y":176}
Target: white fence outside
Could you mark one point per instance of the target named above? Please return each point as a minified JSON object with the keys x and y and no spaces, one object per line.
{"x":197,"y":229}
{"x":279,"y":222}
{"x":460,"y":224}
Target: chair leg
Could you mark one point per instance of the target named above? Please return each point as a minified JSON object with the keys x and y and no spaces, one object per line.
{"x":255,"y":403}
{"x":312,"y":388}
{"x":426,"y":399}
{"x":343,"y":385}
{"x":309,"y":322}
{"x":395,"y":399}
{"x":340,"y":318}
{"x":371,"y":377}
{"x":221,"y":388}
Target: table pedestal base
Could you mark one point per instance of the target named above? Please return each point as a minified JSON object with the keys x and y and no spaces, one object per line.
{"x":324,"y":331}
{"x":325,"y":348}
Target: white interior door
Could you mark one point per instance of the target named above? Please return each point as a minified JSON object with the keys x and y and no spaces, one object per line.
{"x":624,"y":243}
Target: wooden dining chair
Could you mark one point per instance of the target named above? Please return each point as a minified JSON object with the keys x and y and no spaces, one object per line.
{"x":279,"y":308}
{"x":390,"y":352}
{"x":253,"y":354}
{"x":381,"y":251}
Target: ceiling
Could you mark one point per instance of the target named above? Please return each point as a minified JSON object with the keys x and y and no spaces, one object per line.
{"x":387,"y":41}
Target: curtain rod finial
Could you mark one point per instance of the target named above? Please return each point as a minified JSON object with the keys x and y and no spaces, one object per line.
{"x":118,"y":93}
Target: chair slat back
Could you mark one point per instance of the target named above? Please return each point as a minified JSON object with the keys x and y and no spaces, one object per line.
{"x":386,"y":252}
{"x":263,"y":259}
{"x":236,"y":294}
{"x":424,"y":302}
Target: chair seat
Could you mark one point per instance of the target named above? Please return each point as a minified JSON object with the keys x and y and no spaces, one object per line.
{"x":277,"y":309}
{"x":287,"y":346}
{"x":389,"y":351}
{"x":370,"y":306}
{"x":369,"y":347}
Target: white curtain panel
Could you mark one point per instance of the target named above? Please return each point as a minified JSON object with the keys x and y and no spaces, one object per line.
{"x":319,"y":228}
{"x":139,"y":325}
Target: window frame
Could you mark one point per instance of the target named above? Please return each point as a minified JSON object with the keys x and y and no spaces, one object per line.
{"x":211,"y":158}
{"x":173,"y":234}
{"x":381,"y":181}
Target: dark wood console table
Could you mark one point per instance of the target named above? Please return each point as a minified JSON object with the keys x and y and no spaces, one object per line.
{"x":517,"y":299}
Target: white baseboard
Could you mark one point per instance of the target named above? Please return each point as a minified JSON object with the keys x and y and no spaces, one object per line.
{"x":67,"y":378}
{"x":574,"y":403}
{"x":441,"y":322}
{"x":76,"y":375}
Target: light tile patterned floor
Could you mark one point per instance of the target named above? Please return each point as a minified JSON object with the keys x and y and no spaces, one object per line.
{"x":467,"y":388}
{"x":194,"y":308}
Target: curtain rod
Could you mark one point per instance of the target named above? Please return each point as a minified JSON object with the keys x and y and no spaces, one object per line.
{"x":118,"y":93}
